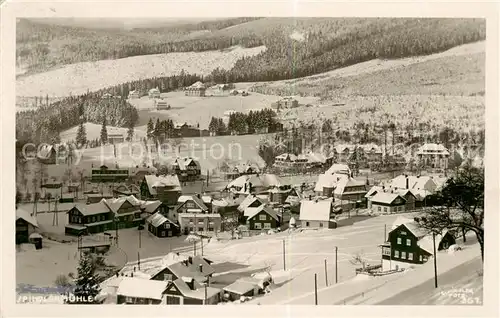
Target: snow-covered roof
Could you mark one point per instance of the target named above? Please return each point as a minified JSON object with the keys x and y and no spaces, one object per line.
{"x":326,"y":181}
{"x":264,"y":180}
{"x":373,"y":190}
{"x":158,"y":219}
{"x":150,"y":206}
{"x":198,"y":201}
{"x":249,"y":199}
{"x":312,"y":210}
{"x":426,"y":243}
{"x":93,"y":209}
{"x":414,"y":183}
{"x":240,"y":287}
{"x":338,"y":168}
{"x":171,"y":181}
{"x":142,"y":288}
{"x":251,"y":212}
{"x":385,"y":197}
{"x":25,"y":215}
{"x":432,"y":148}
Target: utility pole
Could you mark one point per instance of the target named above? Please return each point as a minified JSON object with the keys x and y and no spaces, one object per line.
{"x":201,"y":242}
{"x":326,"y":274}
{"x":205,"y":294}
{"x":284,"y":259}
{"x":316,"y":289}
{"x":385,"y":232}
{"x":336,"y":265}
{"x":138,"y":260}
{"x":435,"y":260}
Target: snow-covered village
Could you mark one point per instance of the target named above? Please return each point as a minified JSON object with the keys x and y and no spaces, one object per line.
{"x":188,"y":164}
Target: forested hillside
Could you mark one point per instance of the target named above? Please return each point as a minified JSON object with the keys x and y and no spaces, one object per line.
{"x":328,"y":42}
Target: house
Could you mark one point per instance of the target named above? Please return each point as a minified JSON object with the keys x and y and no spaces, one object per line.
{"x":342,"y":187}
{"x":433,"y":156}
{"x":26,"y":225}
{"x":137,"y":174}
{"x":373,"y":153}
{"x":105,"y":174}
{"x":161,"y":104}
{"x":387,"y":202}
{"x":89,"y":218}
{"x":410,"y":198}
{"x":285,"y":160}
{"x":47,"y":154}
{"x":258,"y":183}
{"x":205,"y":223}
{"x":287,"y":102}
{"x":246,"y":168}
{"x":138,"y":291}
{"x":73,"y":187}
{"x":337,"y":168}
{"x":187,"y":169}
{"x":261,"y":218}
{"x":160,"y":226}
{"x":197,"y":89}
{"x":96,"y":197}
{"x":191,"y":204}
{"x":241,"y":288}
{"x":252,"y":201}
{"x":126,"y":211}
{"x":195,"y":267}
{"x":186,"y":291}
{"x":408,"y":245}
{"x":420,"y":186}
{"x":154,"y":93}
{"x":133,"y":94}
{"x":317,"y":214}
{"x":166,"y":188}
{"x":126,"y":190}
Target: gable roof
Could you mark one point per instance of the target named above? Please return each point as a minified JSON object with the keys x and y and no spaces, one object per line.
{"x":249,"y":199}
{"x":150,"y":206}
{"x":252,"y":212}
{"x":311,"y":210}
{"x":325,"y":181}
{"x":92,"y":209}
{"x":386,"y":197}
{"x":116,"y":203}
{"x":264,"y":180}
{"x":171,"y":181}
{"x":432,"y":148}
{"x":427,"y":244}
{"x":158,"y":219}
{"x":414,"y":183}
{"x":25,"y":215}
{"x":373,"y":190}
{"x":199,"y":202}
{"x":199,"y":291}
{"x":338,"y":168}
{"x":142,"y":288}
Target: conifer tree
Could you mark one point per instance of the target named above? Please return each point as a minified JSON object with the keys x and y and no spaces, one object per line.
{"x":81,"y":135}
{"x":104,"y":132}
{"x":87,"y":281}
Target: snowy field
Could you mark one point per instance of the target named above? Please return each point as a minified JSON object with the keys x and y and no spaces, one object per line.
{"x":81,"y":77}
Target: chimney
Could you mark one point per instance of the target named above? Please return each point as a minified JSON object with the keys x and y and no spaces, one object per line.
{"x":191,"y":284}
{"x":198,"y":195}
{"x":201,"y":268}
{"x":407,"y":182}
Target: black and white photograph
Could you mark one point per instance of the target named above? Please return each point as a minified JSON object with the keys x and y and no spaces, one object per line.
{"x":251,"y":160}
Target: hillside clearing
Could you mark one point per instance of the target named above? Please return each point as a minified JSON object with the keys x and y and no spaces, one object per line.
{"x":458,"y":71}
{"x":91,"y":76}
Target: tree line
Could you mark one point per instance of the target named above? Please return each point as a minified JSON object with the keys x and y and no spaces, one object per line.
{"x":241,"y":123}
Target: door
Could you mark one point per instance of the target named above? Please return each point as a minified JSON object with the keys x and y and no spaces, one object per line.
{"x":169,"y":233}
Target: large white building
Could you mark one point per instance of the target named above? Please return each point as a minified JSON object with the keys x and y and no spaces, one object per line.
{"x":433,"y":156}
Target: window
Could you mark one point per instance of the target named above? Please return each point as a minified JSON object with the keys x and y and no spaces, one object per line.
{"x":162,"y":233}
{"x":267,"y":225}
{"x":410,"y":256}
{"x":210,"y":229}
{"x":408,"y":242}
{"x":420,"y":258}
{"x":321,"y":225}
{"x":307,"y":223}
{"x":262,"y":217}
{"x":190,"y":220}
{"x":386,"y":251}
{"x":93,"y":219}
{"x":167,"y":276}
{"x":403,"y":255}
{"x":129,"y":300}
{"x":200,"y":229}
{"x":399,"y":240}
{"x":257,"y":226}
{"x":167,"y":225}
{"x":396,"y":254}
{"x":380,"y":209}
{"x":190,"y":205}
{"x":385,"y":209}
{"x":191,"y":229}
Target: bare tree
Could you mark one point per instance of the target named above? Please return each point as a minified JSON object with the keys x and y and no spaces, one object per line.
{"x":460,"y":205}
{"x":359,"y":259}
